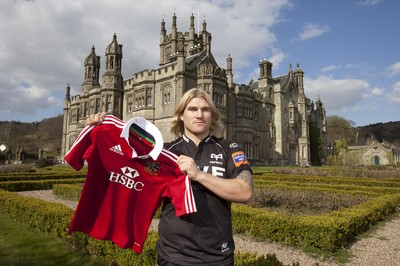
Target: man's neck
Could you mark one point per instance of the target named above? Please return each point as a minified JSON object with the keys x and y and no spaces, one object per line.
{"x":196,"y":138}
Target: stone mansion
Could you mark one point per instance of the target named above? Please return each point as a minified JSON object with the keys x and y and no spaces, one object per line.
{"x":271,"y":118}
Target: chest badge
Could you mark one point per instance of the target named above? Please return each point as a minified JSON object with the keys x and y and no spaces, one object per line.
{"x":152,"y":168}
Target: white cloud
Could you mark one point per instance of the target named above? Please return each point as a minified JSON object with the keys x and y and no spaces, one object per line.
{"x":394,"y":70}
{"x":336,"y":94}
{"x":329,"y":68}
{"x":312,"y":30}
{"x":277,"y":57}
{"x":28,"y":99}
{"x":377,"y":91}
{"x":369,"y":2}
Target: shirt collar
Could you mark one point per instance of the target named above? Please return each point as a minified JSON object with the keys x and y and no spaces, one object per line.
{"x":206,"y":139}
{"x":148,"y":127}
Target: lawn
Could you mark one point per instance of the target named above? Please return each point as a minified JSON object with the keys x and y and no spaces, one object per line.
{"x":20,"y":245}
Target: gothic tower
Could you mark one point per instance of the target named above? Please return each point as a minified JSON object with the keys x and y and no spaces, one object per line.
{"x":304,"y":140}
{"x":92,"y":71}
{"x":112,"y":87}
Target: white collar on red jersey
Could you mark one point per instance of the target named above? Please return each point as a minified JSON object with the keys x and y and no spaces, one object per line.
{"x":150,"y":128}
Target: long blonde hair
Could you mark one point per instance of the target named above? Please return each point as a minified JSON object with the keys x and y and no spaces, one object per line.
{"x":177,"y":124}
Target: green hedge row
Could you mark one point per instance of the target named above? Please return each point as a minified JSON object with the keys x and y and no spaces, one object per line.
{"x":26,"y":185}
{"x":39,"y":176}
{"x":345,"y":187}
{"x":54,"y":219}
{"x":335,"y":190}
{"x":329,"y":232}
{"x":364,"y":181}
{"x":68,"y":191}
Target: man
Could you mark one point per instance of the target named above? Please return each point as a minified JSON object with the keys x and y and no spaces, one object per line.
{"x":220,"y":174}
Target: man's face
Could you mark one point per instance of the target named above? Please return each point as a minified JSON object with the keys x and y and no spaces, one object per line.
{"x":197,"y":118}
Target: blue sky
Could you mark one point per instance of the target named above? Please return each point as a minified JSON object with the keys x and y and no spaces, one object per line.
{"x":348,"y":49}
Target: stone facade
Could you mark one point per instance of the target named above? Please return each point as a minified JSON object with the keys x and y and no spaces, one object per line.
{"x":270,"y":118}
{"x":374,"y":153}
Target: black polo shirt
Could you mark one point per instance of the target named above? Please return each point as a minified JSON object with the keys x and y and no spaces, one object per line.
{"x":205,"y":237}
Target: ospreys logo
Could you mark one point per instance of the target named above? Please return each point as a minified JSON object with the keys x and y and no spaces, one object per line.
{"x":127,"y":178}
{"x":215,"y":159}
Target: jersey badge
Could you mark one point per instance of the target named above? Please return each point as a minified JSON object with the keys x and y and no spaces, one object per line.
{"x":239,"y":158}
{"x":117,"y":149}
{"x":233,"y":145}
{"x":152,"y":168}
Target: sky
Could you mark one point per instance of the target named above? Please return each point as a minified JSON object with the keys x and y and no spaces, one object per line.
{"x":349,"y":50}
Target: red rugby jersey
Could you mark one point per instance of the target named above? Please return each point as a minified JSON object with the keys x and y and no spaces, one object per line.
{"x":128,"y":174}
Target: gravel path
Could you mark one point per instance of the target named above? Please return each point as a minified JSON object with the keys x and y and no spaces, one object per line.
{"x":380,"y":248}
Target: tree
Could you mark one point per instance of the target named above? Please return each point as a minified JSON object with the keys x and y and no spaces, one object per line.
{"x":340,"y":128}
{"x":50,"y":133}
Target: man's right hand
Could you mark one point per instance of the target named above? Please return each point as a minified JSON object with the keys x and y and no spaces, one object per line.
{"x":95,"y":119}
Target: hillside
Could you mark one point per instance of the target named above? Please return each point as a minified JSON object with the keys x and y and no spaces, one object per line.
{"x":381,"y":131}
{"x":46,"y":134}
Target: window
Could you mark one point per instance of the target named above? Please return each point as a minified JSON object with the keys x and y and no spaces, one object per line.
{"x":130,"y":103}
{"x":218,"y":95}
{"x":116,"y":104}
{"x":73,"y":116}
{"x":149,"y":97}
{"x":207,"y":87}
{"x":140,"y":98}
{"x":86,"y":108}
{"x":166,"y":95}
{"x":98,"y":106}
{"x":239,"y":109}
{"x":108,"y":103}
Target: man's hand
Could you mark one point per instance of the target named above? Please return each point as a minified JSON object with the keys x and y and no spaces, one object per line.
{"x":95,"y":119}
{"x":187,"y":165}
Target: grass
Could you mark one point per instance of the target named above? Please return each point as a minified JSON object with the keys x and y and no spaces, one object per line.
{"x":20,"y":245}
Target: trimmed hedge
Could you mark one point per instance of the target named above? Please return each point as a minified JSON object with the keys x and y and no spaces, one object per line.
{"x":39,"y":176}
{"x":26,"y":185}
{"x":329,"y":232}
{"x":68,"y":191}
{"x":54,"y":219}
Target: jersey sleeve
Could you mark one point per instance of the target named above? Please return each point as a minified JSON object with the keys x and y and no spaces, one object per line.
{"x":237,"y":160}
{"x":181,"y":194}
{"x":78,"y":152}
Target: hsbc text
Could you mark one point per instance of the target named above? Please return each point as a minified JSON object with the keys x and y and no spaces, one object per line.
{"x":126,"y":181}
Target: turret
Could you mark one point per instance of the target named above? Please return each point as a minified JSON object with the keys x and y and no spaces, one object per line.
{"x":298,"y":76}
{"x":174,"y":34}
{"x":229,"y":71}
{"x":162,"y":40}
{"x":206,"y":37}
{"x":191,"y":28}
{"x":67,"y":103}
{"x":92,"y":70}
{"x":265,"y":69}
{"x":112,"y":88}
{"x":113,"y":58}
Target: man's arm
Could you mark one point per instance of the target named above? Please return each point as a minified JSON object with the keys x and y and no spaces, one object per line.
{"x":239,"y":189}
